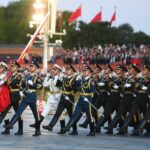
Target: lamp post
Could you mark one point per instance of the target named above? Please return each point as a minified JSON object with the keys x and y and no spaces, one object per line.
{"x":41,"y":8}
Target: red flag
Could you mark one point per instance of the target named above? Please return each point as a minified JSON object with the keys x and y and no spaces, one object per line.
{"x":113,"y":18}
{"x":75,"y":15}
{"x":97,"y":18}
{"x":28,"y":46}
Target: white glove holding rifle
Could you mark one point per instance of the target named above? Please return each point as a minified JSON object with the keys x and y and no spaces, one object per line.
{"x":67,"y":98}
{"x":85,"y":99}
{"x":144,"y":88}
{"x":127,"y":85}
{"x":100,"y":84}
{"x":30,"y":82}
{"x":115,"y":86}
{"x":21,"y":94}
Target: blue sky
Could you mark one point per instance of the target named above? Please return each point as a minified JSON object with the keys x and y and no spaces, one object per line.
{"x":135,"y":12}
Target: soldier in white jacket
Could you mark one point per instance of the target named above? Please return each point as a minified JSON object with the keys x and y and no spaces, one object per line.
{"x":55,"y":92}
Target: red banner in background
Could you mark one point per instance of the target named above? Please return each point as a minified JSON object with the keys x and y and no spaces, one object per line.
{"x":113,"y":18}
{"x":75,"y":14}
{"x":97,"y":18}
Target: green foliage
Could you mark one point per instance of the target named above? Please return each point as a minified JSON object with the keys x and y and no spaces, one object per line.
{"x":102,"y":33}
{"x":14,"y":26}
{"x":15,"y":23}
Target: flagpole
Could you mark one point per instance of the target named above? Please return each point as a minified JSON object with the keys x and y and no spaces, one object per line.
{"x":115,"y":13}
{"x":31,"y":41}
{"x":101,"y":13}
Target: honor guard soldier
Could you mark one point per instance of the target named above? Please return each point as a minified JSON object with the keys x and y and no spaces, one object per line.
{"x":101,"y":101}
{"x":54,"y":97}
{"x":128,"y":97}
{"x":31,"y":84}
{"x":4,"y":92}
{"x":95,"y":77}
{"x":87,"y":90}
{"x":14,"y":83}
{"x":144,"y":95}
{"x":67,"y":100}
{"x":114,"y":89}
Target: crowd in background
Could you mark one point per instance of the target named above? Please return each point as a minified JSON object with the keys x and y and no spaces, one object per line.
{"x":107,"y":54}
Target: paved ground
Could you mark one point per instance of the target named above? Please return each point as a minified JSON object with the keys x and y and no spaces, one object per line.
{"x":52,"y":141}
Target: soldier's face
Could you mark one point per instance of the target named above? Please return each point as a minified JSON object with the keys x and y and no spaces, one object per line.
{"x":86,"y":73}
{"x":14,"y":68}
{"x":69,"y":72}
{"x":32,"y":68}
{"x":131,"y":71}
{"x":2,"y":69}
{"x":107,"y":71}
{"x":145,"y":72}
{"x":118,"y":71}
{"x":55,"y":71}
{"x":95,"y":70}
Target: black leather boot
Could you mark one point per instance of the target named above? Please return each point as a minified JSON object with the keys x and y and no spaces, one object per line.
{"x":70,"y":124}
{"x":6,"y":131}
{"x":84,"y":124}
{"x":11,"y":123}
{"x":112,"y":124}
{"x":62,"y":127}
{"x":4,"y":113}
{"x":101,"y":121}
{"x":50,"y":126}
{"x":37,"y":131}
{"x":1,"y":118}
{"x":139,"y":129}
{"x":123,"y":131}
{"x":20,"y":125}
{"x":92,"y":133}
{"x":34,"y":124}
{"x":74,"y":131}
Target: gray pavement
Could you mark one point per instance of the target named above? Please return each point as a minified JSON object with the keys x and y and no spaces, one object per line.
{"x":52,"y":141}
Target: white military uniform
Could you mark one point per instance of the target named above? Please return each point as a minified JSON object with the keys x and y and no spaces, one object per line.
{"x":54,"y":96}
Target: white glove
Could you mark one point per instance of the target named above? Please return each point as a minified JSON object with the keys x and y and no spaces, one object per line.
{"x":144,"y":88}
{"x":1,"y":82}
{"x":79,"y":77}
{"x":148,"y":96}
{"x":115,"y":86}
{"x":100,"y":84}
{"x":127,"y":85}
{"x":76,"y":73}
{"x":61,"y":76}
{"x":21,"y":93}
{"x":121,"y":95}
{"x":134,"y":95}
{"x":67,"y":98}
{"x":108,"y":93}
{"x":85,"y":99}
{"x":30,"y":82}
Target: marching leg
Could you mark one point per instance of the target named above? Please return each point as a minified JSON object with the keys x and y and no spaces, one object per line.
{"x":6,"y":131}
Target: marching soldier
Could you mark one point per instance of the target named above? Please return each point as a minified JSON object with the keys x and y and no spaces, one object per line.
{"x":87,"y":90}
{"x":141,"y":99}
{"x":31,"y":84}
{"x":4,"y":92}
{"x":15,"y":84}
{"x":55,"y":93}
{"x":114,"y":95}
{"x":101,"y":101}
{"x":67,"y":100}
{"x":95,"y":76}
{"x":128,"y":97}
{"x":144,"y":95}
